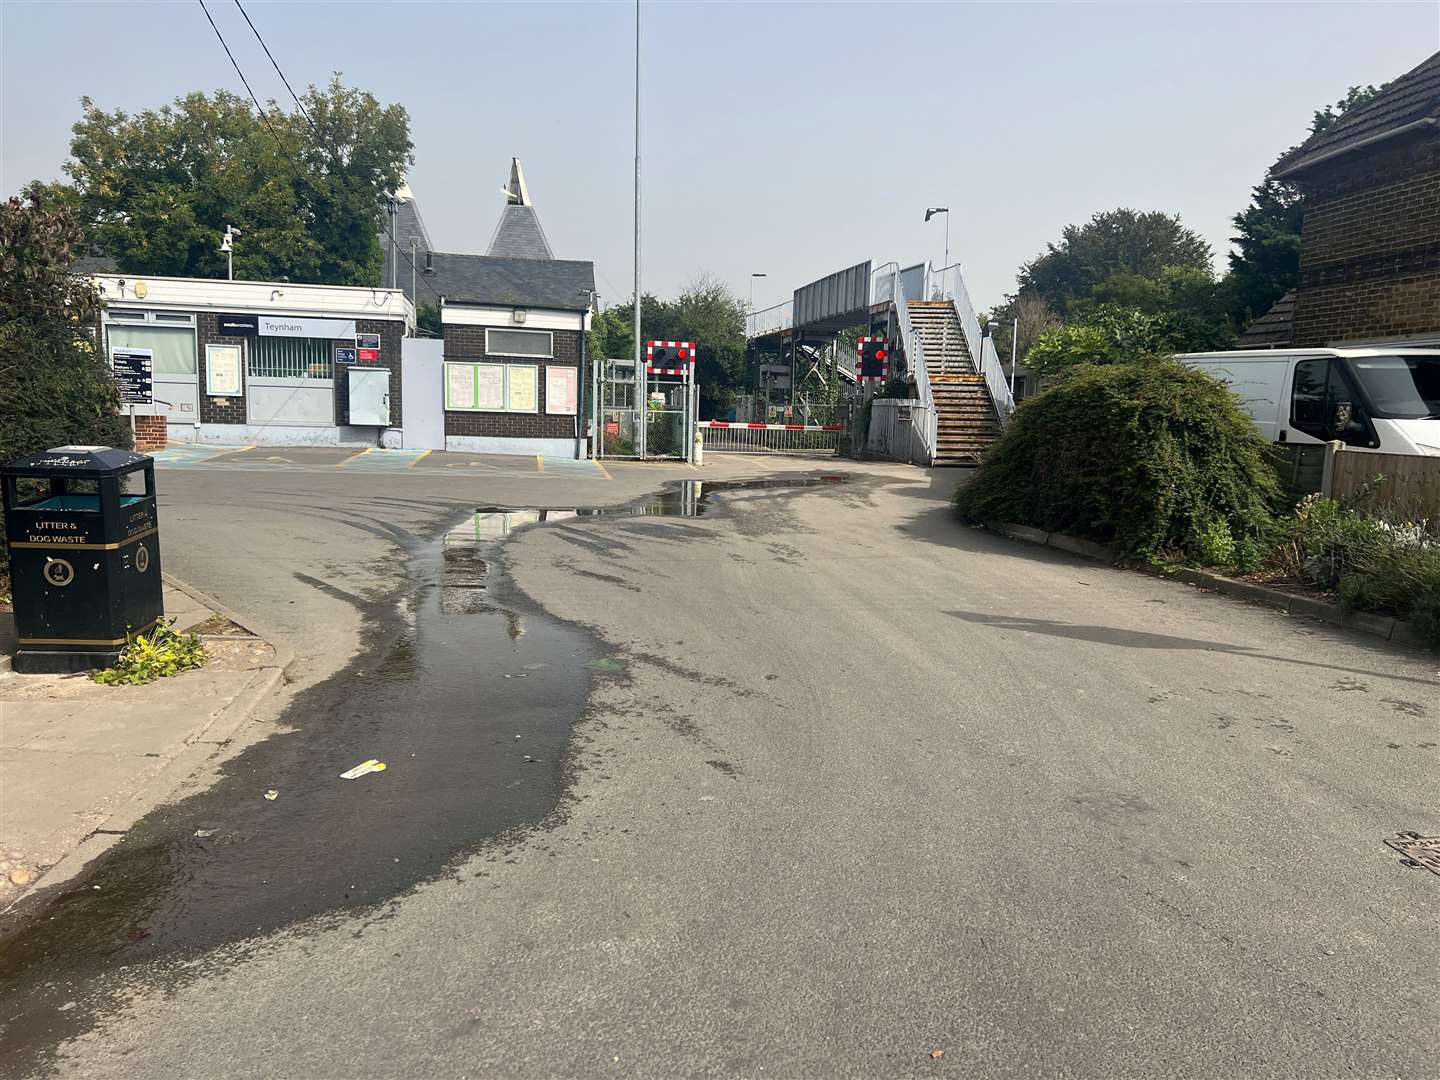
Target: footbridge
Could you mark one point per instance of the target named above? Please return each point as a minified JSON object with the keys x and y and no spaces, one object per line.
{"x":959,"y":397}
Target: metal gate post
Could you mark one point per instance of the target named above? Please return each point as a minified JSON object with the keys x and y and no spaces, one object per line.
{"x":642,"y":387}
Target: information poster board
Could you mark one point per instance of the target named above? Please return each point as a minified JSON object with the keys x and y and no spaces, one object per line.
{"x":222,"y":370}
{"x":561,"y":390}
{"x":522,"y":388}
{"x":490,"y":387}
{"x":459,"y":386}
{"x":132,"y":369}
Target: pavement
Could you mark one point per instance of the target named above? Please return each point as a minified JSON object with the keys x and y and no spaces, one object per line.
{"x":80,"y":762}
{"x":851,"y":785}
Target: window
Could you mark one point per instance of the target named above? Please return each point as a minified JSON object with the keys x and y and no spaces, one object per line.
{"x":1323,"y":404}
{"x":539,"y":343}
{"x":290,"y":358}
{"x":1404,"y":387}
{"x":169,"y":336}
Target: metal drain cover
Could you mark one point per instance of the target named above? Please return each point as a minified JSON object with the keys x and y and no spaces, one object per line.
{"x":1418,"y":850}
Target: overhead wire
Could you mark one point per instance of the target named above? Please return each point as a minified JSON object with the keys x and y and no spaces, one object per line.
{"x":279,"y":142}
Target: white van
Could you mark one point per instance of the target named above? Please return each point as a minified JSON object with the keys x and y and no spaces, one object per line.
{"x":1385,"y":400}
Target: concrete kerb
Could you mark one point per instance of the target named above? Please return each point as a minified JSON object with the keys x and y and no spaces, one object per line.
{"x":202,"y":746}
{"x":1381,"y":626}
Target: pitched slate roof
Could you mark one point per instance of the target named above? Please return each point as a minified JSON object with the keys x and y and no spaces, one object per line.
{"x":1276,"y":327}
{"x":1412,"y":102}
{"x":518,"y":235}
{"x":526,"y":282}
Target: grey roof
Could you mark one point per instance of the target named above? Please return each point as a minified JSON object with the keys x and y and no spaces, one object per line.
{"x":518,"y":235}
{"x":1412,"y":99}
{"x":526,"y":282}
{"x":94,"y":264}
{"x":1275,"y":327}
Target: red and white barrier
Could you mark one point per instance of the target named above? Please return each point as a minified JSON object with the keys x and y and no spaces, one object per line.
{"x":722,"y":436}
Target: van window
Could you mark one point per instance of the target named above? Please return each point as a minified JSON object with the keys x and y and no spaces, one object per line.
{"x":1401,"y":387}
{"x":1323,"y":404}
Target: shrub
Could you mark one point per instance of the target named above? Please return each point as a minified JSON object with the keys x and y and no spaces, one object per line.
{"x":1153,"y":457}
{"x":1369,"y":563}
{"x":153,"y":656}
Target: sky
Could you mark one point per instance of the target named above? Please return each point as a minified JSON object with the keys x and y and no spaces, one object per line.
{"x":790,"y":139}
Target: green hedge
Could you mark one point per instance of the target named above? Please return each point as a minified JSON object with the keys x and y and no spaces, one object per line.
{"x":1153,"y":457}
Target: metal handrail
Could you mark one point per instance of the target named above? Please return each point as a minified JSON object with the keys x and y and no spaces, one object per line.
{"x":915,"y":354}
{"x":982,"y":348}
{"x":779,"y":316}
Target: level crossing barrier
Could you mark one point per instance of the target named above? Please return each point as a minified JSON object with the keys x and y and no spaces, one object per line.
{"x":725,"y":437}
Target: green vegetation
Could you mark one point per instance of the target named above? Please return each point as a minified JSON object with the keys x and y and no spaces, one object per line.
{"x":707,"y":313}
{"x":1150,"y":456}
{"x":306,"y":189}
{"x":156,"y":655}
{"x":55,"y":388}
{"x":1368,"y":563}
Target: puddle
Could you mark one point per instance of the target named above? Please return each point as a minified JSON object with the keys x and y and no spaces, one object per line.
{"x":470,"y":704}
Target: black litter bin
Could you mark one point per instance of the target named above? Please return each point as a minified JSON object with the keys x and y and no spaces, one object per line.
{"x":84,"y":555}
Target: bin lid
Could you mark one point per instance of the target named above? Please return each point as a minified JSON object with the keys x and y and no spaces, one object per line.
{"x":88,"y":461}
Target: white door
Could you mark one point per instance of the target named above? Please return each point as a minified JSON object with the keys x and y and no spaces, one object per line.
{"x":422,"y":384}
{"x":370,"y":397}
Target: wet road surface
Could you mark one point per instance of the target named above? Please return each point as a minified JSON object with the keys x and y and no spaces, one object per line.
{"x":852,"y":784}
{"x":465,"y":690}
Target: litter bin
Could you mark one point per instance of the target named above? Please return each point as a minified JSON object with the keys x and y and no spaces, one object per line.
{"x":84,"y":555}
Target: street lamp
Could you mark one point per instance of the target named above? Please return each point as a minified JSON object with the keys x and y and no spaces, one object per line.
{"x":752,"y":290}
{"x":931,"y":212}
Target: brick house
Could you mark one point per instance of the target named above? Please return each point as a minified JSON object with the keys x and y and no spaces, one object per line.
{"x":513,"y":325}
{"x":1370,"y":239}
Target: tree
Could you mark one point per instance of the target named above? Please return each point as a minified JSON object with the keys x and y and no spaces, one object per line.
{"x":1324,"y":119}
{"x":55,"y":387}
{"x":1035,"y":317}
{"x":707,"y":313}
{"x":1111,"y":242}
{"x":306,"y":190}
{"x":427,"y":318}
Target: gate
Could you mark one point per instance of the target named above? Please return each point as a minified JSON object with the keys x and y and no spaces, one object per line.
{"x":667,"y":404}
{"x":729,"y":438}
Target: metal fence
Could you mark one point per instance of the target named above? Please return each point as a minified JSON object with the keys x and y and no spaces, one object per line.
{"x":727,"y":438}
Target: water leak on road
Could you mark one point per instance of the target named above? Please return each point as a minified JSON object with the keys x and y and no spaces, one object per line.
{"x":465,"y":691}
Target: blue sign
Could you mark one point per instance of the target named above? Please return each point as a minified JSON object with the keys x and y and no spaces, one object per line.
{"x":344,"y":354}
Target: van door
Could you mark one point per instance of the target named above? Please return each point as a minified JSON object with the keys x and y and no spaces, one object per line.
{"x":1325,"y":405}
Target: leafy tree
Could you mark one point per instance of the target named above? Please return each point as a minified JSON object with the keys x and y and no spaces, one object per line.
{"x":1111,"y":242}
{"x":55,"y":387}
{"x":1324,"y":119}
{"x":1035,"y":315}
{"x":307,"y":190}
{"x":707,"y":313}
{"x":427,"y":318}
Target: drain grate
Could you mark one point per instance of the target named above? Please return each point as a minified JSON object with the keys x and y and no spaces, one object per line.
{"x":1418,"y":851}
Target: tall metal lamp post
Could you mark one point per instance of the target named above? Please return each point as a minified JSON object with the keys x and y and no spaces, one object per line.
{"x":752,"y":290}
{"x":931,"y":212}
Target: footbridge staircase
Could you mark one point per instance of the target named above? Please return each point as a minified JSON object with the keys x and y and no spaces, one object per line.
{"x":960,"y":398}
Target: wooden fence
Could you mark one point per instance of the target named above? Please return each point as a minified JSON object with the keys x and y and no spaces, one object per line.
{"x":1395,"y":485}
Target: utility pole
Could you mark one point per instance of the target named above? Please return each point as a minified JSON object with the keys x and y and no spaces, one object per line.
{"x":640,"y":379}
{"x":414,"y":296}
{"x":227,"y":245}
{"x":394,"y":244}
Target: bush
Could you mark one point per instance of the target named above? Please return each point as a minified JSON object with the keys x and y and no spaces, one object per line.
{"x":1152,"y":457}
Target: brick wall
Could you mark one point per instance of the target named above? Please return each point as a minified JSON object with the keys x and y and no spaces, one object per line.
{"x":217,"y":410}
{"x":391,"y":334}
{"x":468,"y":343}
{"x":1370,"y":245}
{"x":151,"y":433}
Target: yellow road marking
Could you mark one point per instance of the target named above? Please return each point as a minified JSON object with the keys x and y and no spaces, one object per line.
{"x":603,"y":471}
{"x":539,"y":463}
{"x":352,"y":457}
{"x":427,"y":453}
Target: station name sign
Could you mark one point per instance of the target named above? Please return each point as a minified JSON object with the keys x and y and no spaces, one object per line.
{"x":247,"y":325}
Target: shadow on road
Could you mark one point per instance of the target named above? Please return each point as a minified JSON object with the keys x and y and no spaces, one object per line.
{"x":1142,"y":639}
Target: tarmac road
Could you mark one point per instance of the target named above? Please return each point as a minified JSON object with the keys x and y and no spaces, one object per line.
{"x":852,"y":784}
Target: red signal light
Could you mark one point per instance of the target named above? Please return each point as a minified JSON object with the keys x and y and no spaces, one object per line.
{"x":684,"y":353}
{"x":879,"y":354}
